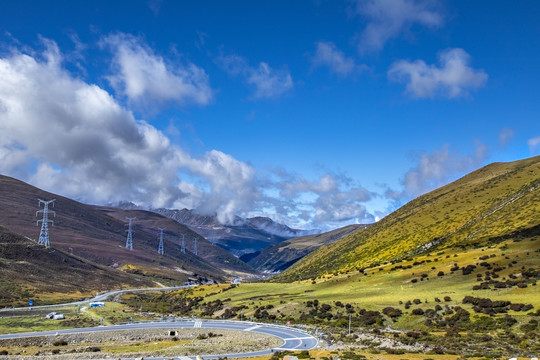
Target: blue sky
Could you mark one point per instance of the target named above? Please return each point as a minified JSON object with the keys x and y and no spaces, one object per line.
{"x":315,"y":113}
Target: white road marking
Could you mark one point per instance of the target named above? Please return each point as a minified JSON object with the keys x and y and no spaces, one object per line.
{"x":252,"y":328}
{"x":299,"y":338}
{"x":198,"y":324}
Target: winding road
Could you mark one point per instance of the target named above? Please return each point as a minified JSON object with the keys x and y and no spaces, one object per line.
{"x":293,"y":339}
{"x":98,"y":297}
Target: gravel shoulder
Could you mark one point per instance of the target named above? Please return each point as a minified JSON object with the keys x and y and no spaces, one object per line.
{"x":137,"y":343}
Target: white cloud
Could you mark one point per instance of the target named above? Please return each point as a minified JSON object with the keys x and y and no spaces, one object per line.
{"x":232,"y":184}
{"x":505,"y":136}
{"x":147,"y":78}
{"x":437,"y":169}
{"x":328,"y":202}
{"x":387,"y":19}
{"x":73,"y":138}
{"x":534,"y":145}
{"x":453,"y":78}
{"x":327,"y":54}
{"x":265,"y":81}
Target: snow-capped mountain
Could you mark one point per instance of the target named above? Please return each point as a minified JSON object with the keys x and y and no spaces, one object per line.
{"x":242,"y":236}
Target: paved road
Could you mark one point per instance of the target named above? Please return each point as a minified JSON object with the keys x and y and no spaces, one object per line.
{"x":293,"y":339}
{"x":99,"y":297}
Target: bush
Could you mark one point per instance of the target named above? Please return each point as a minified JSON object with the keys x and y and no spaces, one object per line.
{"x":60,"y":343}
{"x":418,"y":312}
{"x":531,"y":326}
{"x":392,"y":312}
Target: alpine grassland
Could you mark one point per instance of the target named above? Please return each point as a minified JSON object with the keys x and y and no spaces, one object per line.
{"x":500,"y":201}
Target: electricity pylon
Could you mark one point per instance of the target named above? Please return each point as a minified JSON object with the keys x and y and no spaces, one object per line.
{"x":44,"y":233}
{"x":160,"y":247}
{"x":195,"y":246}
{"x":183,"y":248}
{"x":129,"y":240}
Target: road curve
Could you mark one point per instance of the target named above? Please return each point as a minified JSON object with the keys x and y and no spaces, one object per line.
{"x":293,"y":339}
{"x":99,"y":297}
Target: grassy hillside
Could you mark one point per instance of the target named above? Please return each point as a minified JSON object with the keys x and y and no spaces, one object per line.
{"x":500,"y":201}
{"x":87,"y":233}
{"x":479,"y":301}
{"x":280,"y":256}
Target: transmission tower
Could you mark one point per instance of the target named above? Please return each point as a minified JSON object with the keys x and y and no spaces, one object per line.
{"x":129,"y":240}
{"x":183,"y":248}
{"x":160,"y":247}
{"x":44,"y":233}
{"x":195,"y":246}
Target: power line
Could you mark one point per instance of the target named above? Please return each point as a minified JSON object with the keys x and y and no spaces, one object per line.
{"x":129,"y":240}
{"x":44,"y":233}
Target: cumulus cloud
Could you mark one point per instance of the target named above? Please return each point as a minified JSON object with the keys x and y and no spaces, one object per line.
{"x":438,"y":168}
{"x":87,"y":146}
{"x":327,"y":54}
{"x":387,"y":19}
{"x":453,"y":78}
{"x":266,"y":82}
{"x":74,"y":138}
{"x":534,"y":145}
{"x":147,"y":78}
{"x":232,"y":184}
{"x":331,"y":200}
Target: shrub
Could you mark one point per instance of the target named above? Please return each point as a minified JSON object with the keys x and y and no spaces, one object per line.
{"x":418,"y":312}
{"x":392,"y":312}
{"x":507,"y":321}
{"x":531,"y":326}
{"x":325,"y":307}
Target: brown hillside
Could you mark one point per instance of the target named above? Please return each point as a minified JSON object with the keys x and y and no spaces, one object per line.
{"x":172,"y":237}
{"x":91,"y":234}
{"x":28,"y":271}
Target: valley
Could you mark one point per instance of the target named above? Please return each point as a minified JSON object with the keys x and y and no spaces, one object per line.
{"x":452,"y":273}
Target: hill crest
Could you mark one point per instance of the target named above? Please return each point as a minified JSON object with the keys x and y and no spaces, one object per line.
{"x":496,"y":201}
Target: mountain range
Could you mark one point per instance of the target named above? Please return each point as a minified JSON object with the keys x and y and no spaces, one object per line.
{"x":242,"y":237}
{"x":282,"y":255}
